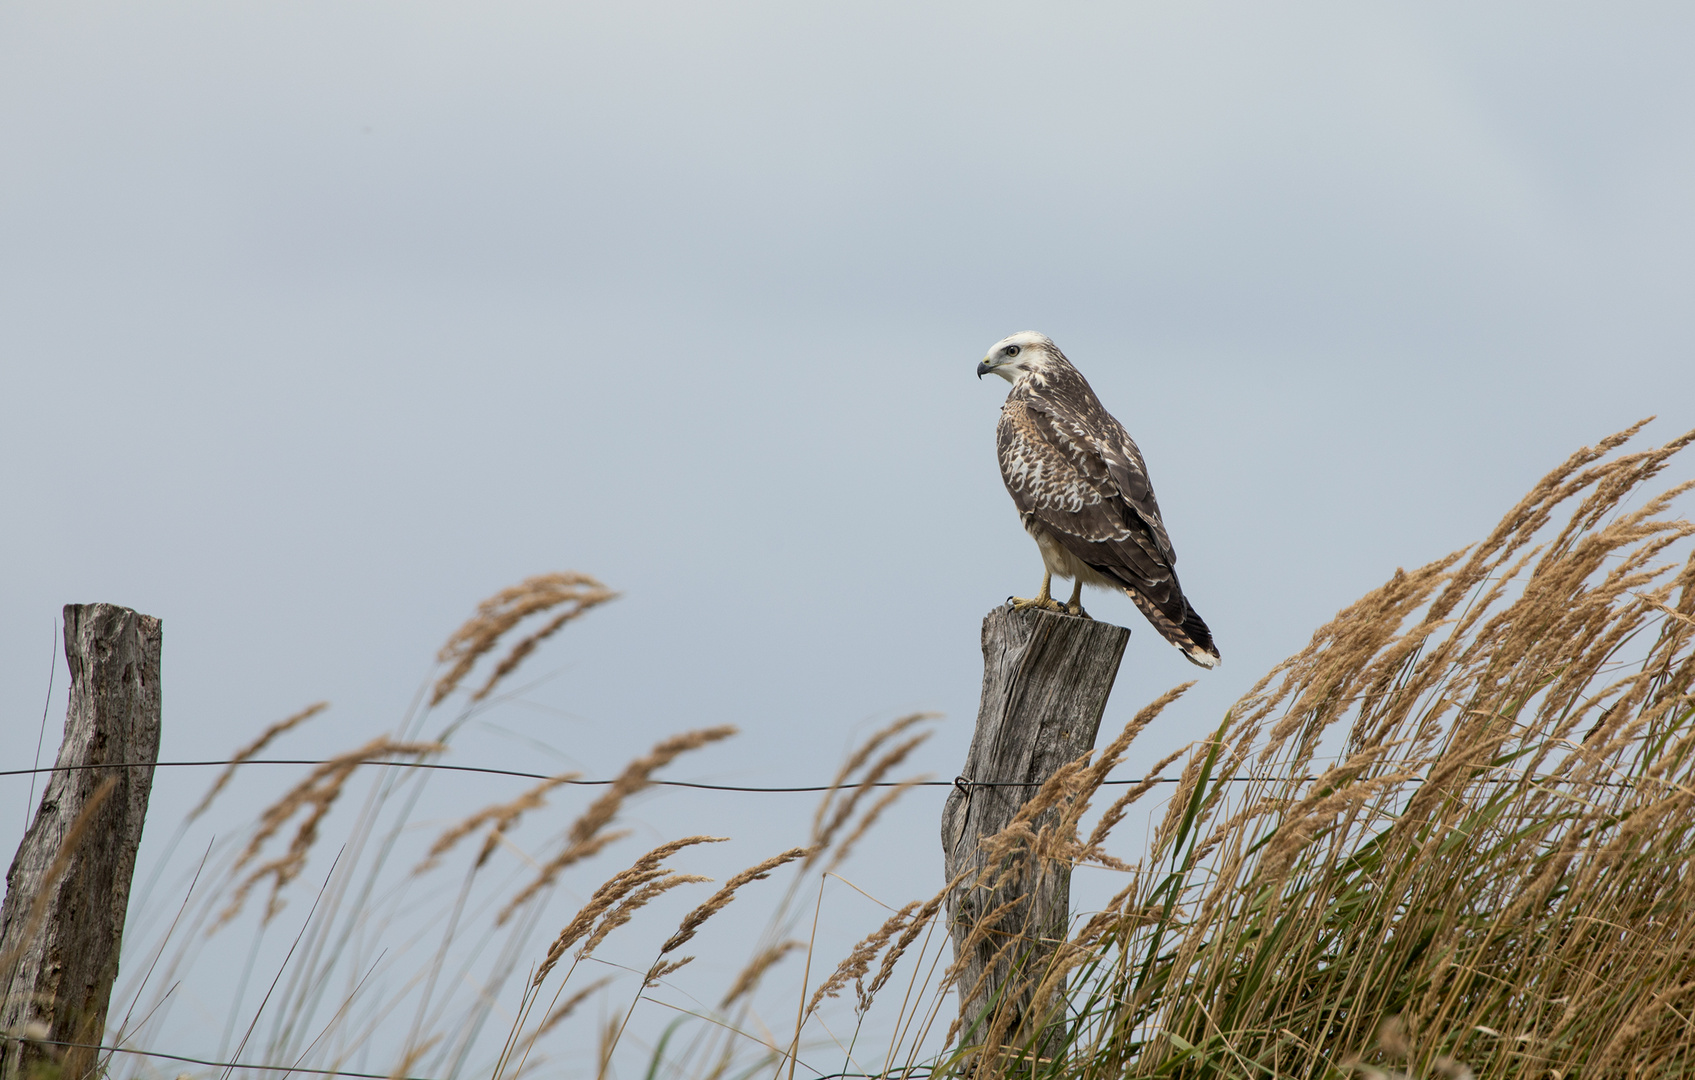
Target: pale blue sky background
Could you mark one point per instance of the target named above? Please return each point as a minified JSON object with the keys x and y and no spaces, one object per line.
{"x":321,"y":321}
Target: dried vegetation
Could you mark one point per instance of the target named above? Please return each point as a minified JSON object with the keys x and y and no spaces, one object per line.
{"x":1464,"y":849}
{"x":1451,"y":837}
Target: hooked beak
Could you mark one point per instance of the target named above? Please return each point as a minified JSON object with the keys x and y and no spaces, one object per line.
{"x":983,"y":368}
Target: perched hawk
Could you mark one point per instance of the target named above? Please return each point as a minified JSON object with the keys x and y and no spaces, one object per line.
{"x":1081,"y":487}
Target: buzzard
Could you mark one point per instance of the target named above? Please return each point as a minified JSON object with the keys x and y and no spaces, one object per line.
{"x":1083,"y":492}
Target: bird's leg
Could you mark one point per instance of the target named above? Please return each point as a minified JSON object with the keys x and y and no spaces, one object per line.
{"x":1075,"y":604}
{"x":1043,"y":599}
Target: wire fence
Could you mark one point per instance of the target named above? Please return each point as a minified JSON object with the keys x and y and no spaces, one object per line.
{"x":800,"y":789}
{"x":961,"y":782}
{"x":338,"y":1072}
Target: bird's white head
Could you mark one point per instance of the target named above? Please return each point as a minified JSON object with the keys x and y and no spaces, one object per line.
{"x":1024,"y":354}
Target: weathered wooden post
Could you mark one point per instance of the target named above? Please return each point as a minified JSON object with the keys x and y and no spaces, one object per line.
{"x":68,"y":888}
{"x":1046,"y":678}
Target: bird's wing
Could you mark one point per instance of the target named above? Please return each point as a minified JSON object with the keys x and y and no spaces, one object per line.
{"x":1124,"y":464}
{"x":1056,"y":472}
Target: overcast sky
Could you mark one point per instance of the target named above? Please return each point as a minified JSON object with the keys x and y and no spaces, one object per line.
{"x":319,"y":322}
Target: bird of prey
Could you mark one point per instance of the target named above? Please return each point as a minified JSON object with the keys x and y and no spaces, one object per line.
{"x":1083,"y":492}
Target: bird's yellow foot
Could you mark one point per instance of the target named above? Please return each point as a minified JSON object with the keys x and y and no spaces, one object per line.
{"x":1045,"y":603}
{"x":1042,"y":601}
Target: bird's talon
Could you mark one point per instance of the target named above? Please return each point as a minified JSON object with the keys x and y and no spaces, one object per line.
{"x":1045,"y":603}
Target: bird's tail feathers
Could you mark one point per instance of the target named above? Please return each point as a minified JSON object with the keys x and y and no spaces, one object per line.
{"x":1190,"y":635}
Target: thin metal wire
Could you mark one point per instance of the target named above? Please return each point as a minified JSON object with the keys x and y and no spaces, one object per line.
{"x":548,"y":776}
{"x":960,"y":782}
{"x":302,"y":1069}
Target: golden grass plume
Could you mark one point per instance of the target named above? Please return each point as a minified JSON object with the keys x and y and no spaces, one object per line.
{"x":858,"y":962}
{"x":615,"y":899}
{"x":265,"y":739}
{"x":316,"y":794}
{"x":500,"y":613}
{"x":837,"y":807}
{"x":586,"y":837}
{"x":500,"y":818}
{"x":1471,"y":812}
{"x":715,"y":903}
{"x":756,"y":968}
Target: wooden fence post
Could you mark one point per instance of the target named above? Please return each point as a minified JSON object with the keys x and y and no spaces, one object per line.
{"x":68,"y":888}
{"x":1046,"y":678}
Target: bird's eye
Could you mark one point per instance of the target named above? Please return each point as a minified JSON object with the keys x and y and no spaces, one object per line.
{"x":1011,"y":350}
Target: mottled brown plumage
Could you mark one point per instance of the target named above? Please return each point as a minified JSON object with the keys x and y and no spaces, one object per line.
{"x":1083,"y":493}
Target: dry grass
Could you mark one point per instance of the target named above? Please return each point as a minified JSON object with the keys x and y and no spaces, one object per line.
{"x":316,"y":795}
{"x":1474,"y":834}
{"x":837,"y":806}
{"x":500,"y":613}
{"x":755,"y":970}
{"x":858,"y":962}
{"x":719,"y":900}
{"x":265,"y":739}
{"x":500,"y":818}
{"x":616,"y":898}
{"x":360,"y":901}
{"x":1466,"y":853}
{"x":587,"y":834}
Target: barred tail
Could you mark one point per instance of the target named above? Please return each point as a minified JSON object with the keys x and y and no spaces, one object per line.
{"x":1190,"y":634}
